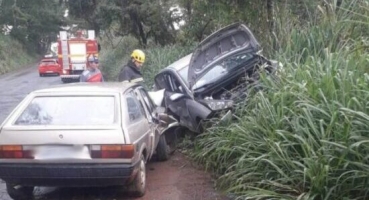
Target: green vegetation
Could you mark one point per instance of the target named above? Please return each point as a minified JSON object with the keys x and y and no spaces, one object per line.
{"x":306,"y":135}
{"x":34,"y":23}
{"x":13,"y":55}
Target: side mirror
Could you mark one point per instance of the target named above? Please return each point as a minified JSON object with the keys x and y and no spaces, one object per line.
{"x":176,"y":96}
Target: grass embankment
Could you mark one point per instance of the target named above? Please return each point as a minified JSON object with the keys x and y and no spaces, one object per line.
{"x":307,"y":135}
{"x":13,"y":55}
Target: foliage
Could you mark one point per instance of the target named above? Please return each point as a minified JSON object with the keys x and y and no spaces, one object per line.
{"x":15,"y":55}
{"x":143,"y":19}
{"x":306,"y":135}
{"x":30,"y":25}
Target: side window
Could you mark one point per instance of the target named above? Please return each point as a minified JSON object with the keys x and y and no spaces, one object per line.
{"x":133,"y":108}
{"x":160,"y":82}
{"x":175,"y":84}
{"x":168,"y":82}
{"x":147,"y":100}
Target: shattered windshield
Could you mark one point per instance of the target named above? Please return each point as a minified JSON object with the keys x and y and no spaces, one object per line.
{"x":69,"y":110}
{"x":222,"y":68}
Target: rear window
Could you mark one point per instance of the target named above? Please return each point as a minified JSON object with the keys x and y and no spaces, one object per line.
{"x":69,"y":110}
{"x":48,"y":62}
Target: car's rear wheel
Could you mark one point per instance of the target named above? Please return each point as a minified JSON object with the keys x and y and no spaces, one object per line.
{"x":138,"y":186}
{"x":18,"y":192}
{"x":162,"y":150}
{"x":41,"y":75}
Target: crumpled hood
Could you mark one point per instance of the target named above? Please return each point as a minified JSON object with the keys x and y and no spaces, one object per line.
{"x":233,"y":38}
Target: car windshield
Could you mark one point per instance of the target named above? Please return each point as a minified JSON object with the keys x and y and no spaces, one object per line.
{"x":222,"y":68}
{"x":69,"y":110}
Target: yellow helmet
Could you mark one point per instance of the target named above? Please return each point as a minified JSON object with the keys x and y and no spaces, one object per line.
{"x":138,"y":55}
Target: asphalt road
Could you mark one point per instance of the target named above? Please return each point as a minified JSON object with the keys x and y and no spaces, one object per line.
{"x":175,"y":179}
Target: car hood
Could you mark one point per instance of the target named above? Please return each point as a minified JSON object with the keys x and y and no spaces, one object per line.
{"x":228,"y":40}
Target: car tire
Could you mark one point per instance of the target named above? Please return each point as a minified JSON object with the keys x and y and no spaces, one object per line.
{"x":41,"y":75}
{"x":18,"y":192}
{"x":162,"y":150}
{"x":138,"y":187}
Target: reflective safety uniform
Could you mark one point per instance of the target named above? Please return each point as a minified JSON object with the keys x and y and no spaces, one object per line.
{"x":91,"y":75}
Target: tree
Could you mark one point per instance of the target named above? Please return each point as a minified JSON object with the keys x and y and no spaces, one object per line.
{"x":31,"y":25}
{"x":144,"y":19}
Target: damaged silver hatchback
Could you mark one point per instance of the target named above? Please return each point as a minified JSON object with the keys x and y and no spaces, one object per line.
{"x":215,"y":77}
{"x":81,"y":135}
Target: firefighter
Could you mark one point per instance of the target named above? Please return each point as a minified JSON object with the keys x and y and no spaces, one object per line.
{"x":92,"y":73}
{"x":131,"y":72}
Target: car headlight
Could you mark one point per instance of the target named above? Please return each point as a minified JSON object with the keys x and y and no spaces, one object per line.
{"x":64,"y":71}
{"x":219,"y":104}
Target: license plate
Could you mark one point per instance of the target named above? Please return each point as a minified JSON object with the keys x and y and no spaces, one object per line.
{"x":62,"y":152}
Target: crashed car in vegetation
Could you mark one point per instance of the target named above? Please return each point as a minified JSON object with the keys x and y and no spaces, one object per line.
{"x":215,"y":77}
{"x":82,"y":135}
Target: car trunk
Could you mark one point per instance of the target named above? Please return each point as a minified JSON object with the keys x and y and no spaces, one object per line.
{"x":57,"y":145}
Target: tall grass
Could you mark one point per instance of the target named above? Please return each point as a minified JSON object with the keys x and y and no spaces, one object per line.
{"x":307,"y":135}
{"x":13,"y":55}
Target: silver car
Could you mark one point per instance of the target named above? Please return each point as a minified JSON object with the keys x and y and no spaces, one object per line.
{"x":81,"y":134}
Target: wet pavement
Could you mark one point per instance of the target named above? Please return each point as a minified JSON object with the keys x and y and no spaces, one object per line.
{"x":175,"y":179}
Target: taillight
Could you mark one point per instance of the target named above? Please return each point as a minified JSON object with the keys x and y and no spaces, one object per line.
{"x":14,"y":151}
{"x":112,"y":151}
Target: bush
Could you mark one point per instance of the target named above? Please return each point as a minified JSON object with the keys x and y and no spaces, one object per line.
{"x":305,"y":136}
{"x":13,"y":55}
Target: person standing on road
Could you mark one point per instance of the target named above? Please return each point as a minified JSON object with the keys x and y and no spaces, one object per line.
{"x":131,"y":72}
{"x":92,"y":73}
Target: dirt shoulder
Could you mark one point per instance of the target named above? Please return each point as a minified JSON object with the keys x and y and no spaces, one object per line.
{"x":179,"y":178}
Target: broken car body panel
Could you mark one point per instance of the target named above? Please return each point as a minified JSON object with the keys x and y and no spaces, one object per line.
{"x":228,"y":40}
{"x":218,"y":75}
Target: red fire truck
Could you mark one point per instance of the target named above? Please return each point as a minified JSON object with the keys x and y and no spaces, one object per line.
{"x":73,"y":52}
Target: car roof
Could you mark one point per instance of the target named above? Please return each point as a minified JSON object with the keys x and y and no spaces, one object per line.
{"x":181,"y":63}
{"x":112,"y":87}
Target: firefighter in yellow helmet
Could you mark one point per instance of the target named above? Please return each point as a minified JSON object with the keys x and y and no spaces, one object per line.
{"x":131,"y":72}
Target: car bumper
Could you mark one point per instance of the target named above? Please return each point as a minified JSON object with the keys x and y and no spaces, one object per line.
{"x":48,"y":70}
{"x":71,"y":175}
{"x":70,"y":76}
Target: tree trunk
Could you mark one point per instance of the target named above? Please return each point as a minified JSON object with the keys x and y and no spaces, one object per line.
{"x":138,"y":25}
{"x":189,"y":8}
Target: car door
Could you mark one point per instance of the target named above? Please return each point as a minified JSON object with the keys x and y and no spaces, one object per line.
{"x":149,"y":107}
{"x":178,"y":106}
{"x":137,"y":125}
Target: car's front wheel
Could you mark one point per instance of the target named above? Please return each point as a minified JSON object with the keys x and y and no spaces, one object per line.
{"x":162,"y":150}
{"x":138,"y":186}
{"x":18,"y":192}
